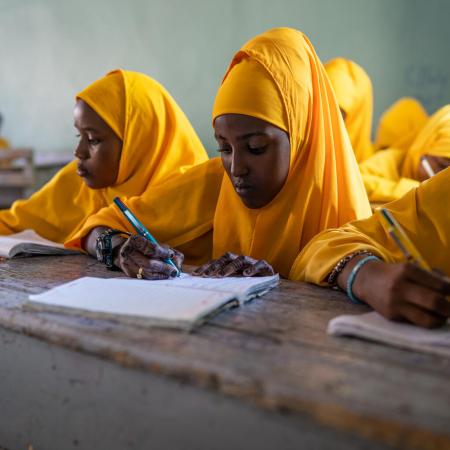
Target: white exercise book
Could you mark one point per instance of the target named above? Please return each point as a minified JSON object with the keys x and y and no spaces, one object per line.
{"x":27,"y":243}
{"x":375,"y":327}
{"x":184,"y":302}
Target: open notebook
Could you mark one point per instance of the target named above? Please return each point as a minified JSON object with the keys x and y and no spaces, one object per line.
{"x":28,"y":243}
{"x":184,"y":302}
{"x":375,"y":327}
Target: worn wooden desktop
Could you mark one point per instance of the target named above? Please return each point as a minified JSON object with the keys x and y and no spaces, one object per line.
{"x":264,"y":376}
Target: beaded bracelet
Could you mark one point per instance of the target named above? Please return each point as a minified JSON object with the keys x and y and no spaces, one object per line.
{"x":352,"y":276}
{"x":339,"y":267}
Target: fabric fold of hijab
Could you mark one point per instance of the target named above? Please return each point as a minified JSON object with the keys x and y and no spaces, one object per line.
{"x":400,"y":124}
{"x":433,"y":139}
{"x":353,"y":90}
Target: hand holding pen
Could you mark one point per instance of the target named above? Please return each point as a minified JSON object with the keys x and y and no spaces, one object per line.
{"x":410,"y":291}
{"x":404,"y":291}
{"x":141,"y":256}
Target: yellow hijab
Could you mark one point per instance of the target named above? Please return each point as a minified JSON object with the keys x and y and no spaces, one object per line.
{"x":3,"y":143}
{"x":278,"y":77}
{"x":159,"y":143}
{"x":353,"y":90}
{"x":179,"y":213}
{"x":400,"y":124}
{"x":433,"y":139}
{"x":424,"y":215}
{"x":391,"y":173}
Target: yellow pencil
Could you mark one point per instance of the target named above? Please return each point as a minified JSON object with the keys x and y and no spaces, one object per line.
{"x":402,"y":240}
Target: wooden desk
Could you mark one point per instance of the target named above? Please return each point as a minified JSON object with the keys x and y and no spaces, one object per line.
{"x":264,"y":376}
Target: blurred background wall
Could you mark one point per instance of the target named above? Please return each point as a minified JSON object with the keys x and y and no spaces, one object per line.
{"x":51,"y":49}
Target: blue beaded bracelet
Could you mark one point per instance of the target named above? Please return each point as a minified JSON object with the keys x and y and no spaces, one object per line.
{"x":352,"y":277}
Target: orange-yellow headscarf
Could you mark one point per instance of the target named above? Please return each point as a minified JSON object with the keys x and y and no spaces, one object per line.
{"x":278,"y":77}
{"x":159,"y":144}
{"x":422,"y":212}
{"x":400,"y":124}
{"x":179,"y":213}
{"x":433,"y":139}
{"x":3,"y":143}
{"x":353,"y":90}
{"x":391,"y":173}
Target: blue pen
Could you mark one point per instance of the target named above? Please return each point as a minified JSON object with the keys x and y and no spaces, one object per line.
{"x":137,"y":225}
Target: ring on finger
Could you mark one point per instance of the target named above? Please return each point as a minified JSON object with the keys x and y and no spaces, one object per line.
{"x":139,"y":274}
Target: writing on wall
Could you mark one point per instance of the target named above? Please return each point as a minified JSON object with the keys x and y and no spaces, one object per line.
{"x":429,"y":84}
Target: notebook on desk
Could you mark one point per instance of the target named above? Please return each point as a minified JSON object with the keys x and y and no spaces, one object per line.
{"x":374,"y":327}
{"x":184,"y":302}
{"x":27,"y":243}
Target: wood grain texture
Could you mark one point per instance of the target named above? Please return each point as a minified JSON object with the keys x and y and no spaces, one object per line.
{"x":273,"y":352}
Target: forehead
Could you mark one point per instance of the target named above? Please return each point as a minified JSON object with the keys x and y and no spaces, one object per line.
{"x":85,"y":117}
{"x":232,"y":126}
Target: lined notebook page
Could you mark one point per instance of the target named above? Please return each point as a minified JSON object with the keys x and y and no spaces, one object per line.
{"x":28,"y":241}
{"x":375,"y":327}
{"x":242,"y":287}
{"x":144,"y":302}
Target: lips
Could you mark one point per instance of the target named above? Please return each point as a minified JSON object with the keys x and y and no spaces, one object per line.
{"x":243,"y":189}
{"x":82,"y":171}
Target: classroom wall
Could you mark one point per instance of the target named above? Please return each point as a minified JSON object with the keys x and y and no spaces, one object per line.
{"x":50,"y":49}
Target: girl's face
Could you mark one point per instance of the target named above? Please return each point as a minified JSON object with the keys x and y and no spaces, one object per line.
{"x":98,"y":149}
{"x":255,"y":154}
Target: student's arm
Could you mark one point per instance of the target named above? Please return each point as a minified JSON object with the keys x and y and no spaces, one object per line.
{"x":135,"y":253}
{"x":231,"y":264}
{"x":401,"y":292}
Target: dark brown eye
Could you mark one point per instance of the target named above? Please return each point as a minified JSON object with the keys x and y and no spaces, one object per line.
{"x":257,"y":150}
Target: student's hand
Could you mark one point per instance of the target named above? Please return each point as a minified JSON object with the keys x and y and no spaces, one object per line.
{"x":437,"y":163}
{"x":404,"y":292}
{"x":231,"y":265}
{"x":137,"y":257}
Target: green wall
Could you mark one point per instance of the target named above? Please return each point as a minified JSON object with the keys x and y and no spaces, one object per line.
{"x":50,"y":49}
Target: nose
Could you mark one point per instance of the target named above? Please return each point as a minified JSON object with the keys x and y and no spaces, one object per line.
{"x":81,"y":151}
{"x":239,"y":167}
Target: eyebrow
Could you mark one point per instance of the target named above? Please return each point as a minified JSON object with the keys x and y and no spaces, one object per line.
{"x":242,"y":136}
{"x":94,"y":130}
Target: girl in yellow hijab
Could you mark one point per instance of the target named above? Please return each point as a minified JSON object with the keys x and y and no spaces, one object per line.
{"x":390,"y":173}
{"x":396,"y":290}
{"x":400,"y":124}
{"x":290,"y":171}
{"x":132,"y":135}
{"x":353,"y":90}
